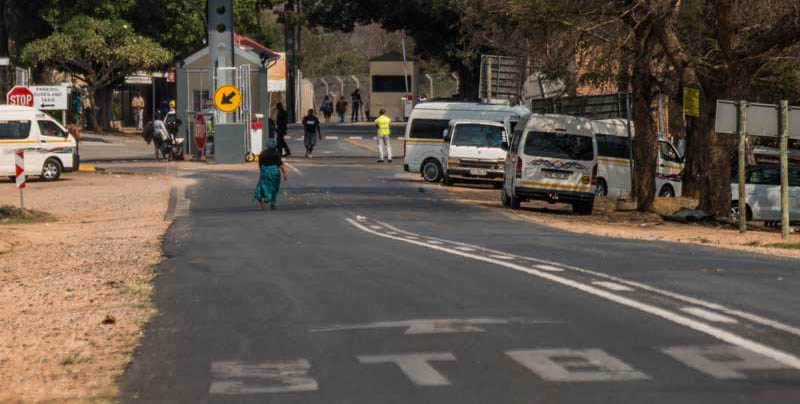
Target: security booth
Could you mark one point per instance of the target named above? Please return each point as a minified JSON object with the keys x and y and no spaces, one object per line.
{"x":197,"y":84}
{"x":392,"y":83}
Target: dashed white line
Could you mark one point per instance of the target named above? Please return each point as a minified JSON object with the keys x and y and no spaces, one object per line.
{"x":613,"y":286}
{"x":331,"y":137}
{"x":356,"y":137}
{"x":549,"y":268}
{"x":786,"y":358}
{"x":709,"y":315}
{"x":434,"y":242}
{"x":501,"y":257}
{"x":375,"y":227}
{"x":464,"y":248}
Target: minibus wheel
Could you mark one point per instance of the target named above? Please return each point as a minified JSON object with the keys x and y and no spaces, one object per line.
{"x":667,"y":192}
{"x":51,"y":170}
{"x":431,"y":170}
{"x":602,"y":187}
{"x":735,"y":211}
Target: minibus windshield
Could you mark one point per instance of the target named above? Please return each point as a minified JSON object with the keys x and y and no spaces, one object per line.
{"x":559,"y":145}
{"x":478,"y":135}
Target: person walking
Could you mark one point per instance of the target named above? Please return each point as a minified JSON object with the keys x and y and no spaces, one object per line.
{"x":137,"y":104}
{"x":355,"y":97}
{"x":271,"y":170}
{"x":341,"y":108}
{"x":384,"y":124}
{"x":312,"y":132}
{"x":282,"y":128}
{"x":327,"y":108}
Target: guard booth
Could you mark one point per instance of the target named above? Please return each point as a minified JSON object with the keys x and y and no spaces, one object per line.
{"x":391,"y":81}
{"x":197,"y":83}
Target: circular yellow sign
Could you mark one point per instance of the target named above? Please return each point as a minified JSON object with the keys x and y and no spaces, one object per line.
{"x":227,"y":98}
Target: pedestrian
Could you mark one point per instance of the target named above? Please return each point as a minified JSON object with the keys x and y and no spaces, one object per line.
{"x":160,"y":135}
{"x":282,"y":128}
{"x":271,"y":170}
{"x":355,"y":97}
{"x":312,"y":132}
{"x":327,"y":108}
{"x":341,"y":108}
{"x":384,"y":124}
{"x":137,"y":104}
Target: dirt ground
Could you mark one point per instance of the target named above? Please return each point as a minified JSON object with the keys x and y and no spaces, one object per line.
{"x":611,"y":219}
{"x":75,"y":293}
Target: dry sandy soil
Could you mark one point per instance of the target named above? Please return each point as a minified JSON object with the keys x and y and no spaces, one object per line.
{"x":75,"y":293}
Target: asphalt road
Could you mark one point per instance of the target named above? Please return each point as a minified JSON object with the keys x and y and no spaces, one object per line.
{"x":366,"y":287}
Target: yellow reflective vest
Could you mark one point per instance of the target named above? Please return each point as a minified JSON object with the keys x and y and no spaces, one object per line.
{"x":384,"y":125}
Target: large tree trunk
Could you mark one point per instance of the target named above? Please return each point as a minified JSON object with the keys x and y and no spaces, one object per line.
{"x":468,"y":81}
{"x":713,"y":160}
{"x":645,"y":143}
{"x":103,"y":98}
{"x":91,"y":115}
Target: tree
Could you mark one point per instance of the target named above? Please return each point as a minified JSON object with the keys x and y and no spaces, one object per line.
{"x":98,"y":52}
{"x":433,"y":24}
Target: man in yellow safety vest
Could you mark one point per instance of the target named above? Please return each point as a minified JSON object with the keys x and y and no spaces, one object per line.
{"x":384,"y":124}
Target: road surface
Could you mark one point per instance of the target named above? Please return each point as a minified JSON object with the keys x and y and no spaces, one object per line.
{"x":367,"y":287}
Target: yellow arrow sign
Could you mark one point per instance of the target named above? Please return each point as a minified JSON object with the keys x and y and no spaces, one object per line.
{"x":227,"y":98}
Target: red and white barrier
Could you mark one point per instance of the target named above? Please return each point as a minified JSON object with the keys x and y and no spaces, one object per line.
{"x":19,"y":161}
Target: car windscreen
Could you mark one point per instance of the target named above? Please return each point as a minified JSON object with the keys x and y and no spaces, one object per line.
{"x":15,"y":129}
{"x":478,"y":135}
{"x":559,"y":145}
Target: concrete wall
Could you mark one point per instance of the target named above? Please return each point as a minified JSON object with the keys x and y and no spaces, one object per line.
{"x":391,"y":102}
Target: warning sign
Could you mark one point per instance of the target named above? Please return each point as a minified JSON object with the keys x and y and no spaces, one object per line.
{"x":691,"y":101}
{"x":227,"y":98}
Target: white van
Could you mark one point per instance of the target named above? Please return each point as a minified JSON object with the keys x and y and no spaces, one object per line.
{"x":614,"y":164}
{"x":49,"y":148}
{"x":551,"y":158}
{"x":425,"y":129}
{"x":473,"y":150}
{"x":763,"y":193}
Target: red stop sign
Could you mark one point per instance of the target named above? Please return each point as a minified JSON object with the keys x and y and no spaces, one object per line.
{"x":20,"y":95}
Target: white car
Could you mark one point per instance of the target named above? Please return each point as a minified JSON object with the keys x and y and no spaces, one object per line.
{"x":473,"y":150}
{"x":763,"y":191}
{"x":49,"y":148}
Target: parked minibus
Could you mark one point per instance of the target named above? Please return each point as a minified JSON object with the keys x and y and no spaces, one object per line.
{"x":614,"y":164}
{"x":426,"y":126}
{"x":551,"y":158}
{"x":49,"y":149}
{"x":473,"y":150}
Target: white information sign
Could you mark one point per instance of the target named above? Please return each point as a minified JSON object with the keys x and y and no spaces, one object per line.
{"x":51,"y":98}
{"x":762,"y":119}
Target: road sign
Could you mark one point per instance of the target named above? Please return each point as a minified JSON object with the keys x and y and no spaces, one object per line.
{"x":51,"y":98}
{"x":19,"y":162}
{"x":20,"y":95}
{"x":762,"y":119}
{"x":227,"y":98}
{"x":691,"y":101}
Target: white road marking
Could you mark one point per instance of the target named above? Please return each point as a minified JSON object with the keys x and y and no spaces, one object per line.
{"x":549,"y":268}
{"x":391,"y":232}
{"x":434,"y":326}
{"x":709,"y":315}
{"x":375,"y":227}
{"x":412,"y":237}
{"x":613,"y":286}
{"x":677,"y":296}
{"x":293,"y":168}
{"x":434,"y":242}
{"x":576,"y":365}
{"x":722,"y":361}
{"x":464,"y":249}
{"x":236,"y":378}
{"x":415,"y":366}
{"x":723,"y":335}
{"x":355,"y":137}
{"x":331,"y":137}
{"x":501,"y":257}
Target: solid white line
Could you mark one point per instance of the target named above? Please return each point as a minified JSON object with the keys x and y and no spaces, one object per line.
{"x":355,"y":137}
{"x":677,"y":296}
{"x":783,"y":357}
{"x":708,"y":315}
{"x":613,"y":286}
{"x":549,"y":268}
{"x":502,"y":257}
{"x":465,"y":249}
{"x":331,"y":137}
{"x":435,"y":242}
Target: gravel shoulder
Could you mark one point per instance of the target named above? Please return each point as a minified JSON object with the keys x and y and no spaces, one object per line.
{"x":75,"y":293}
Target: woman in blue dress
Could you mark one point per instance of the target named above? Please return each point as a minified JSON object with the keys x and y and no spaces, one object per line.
{"x":272,"y":169}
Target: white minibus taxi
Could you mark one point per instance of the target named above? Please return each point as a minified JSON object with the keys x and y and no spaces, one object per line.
{"x":473,"y":150}
{"x":614,"y":164}
{"x":49,"y":148}
{"x":552,"y":158}
{"x":425,"y":131}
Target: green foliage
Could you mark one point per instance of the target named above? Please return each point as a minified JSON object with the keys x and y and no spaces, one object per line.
{"x":100,"y":52}
{"x":327,"y":54}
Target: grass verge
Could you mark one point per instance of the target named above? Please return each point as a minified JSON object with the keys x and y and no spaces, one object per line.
{"x":785,"y":246}
{"x":14,"y":215}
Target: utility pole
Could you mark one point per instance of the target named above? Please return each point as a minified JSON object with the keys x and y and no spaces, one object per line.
{"x":291,"y":35}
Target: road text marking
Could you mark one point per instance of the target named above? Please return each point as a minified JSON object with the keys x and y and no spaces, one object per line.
{"x":576,"y":365}
{"x":722,"y":361}
{"x":235,"y":378}
{"x":415,"y":366}
{"x":434,"y":326}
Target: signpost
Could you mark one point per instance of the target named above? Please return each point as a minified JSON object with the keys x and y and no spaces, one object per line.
{"x":767,"y":120}
{"x":20,"y":95}
{"x":19,"y":162}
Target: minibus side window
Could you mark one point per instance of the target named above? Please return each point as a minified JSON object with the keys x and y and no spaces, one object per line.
{"x":428,"y":128}
{"x":15,"y":130}
{"x":48,"y":128}
{"x":612,"y":146}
